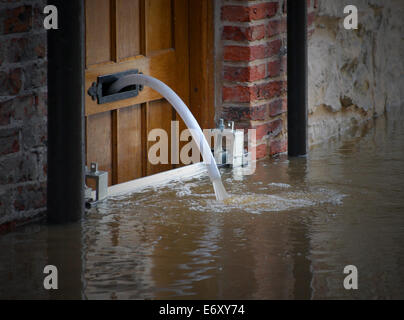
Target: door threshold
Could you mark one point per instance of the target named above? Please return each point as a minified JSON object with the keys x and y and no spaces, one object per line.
{"x":191,"y":171}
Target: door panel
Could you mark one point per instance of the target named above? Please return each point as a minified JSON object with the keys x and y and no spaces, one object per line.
{"x":98,"y":32}
{"x":148,"y":35}
{"x":159,"y":116}
{"x":99,"y":141}
{"x":129,"y":144}
{"x":159,"y":21}
{"x":128,"y":33}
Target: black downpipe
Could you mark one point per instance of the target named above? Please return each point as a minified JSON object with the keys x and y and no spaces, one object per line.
{"x":297,"y":77}
{"x":66,"y":114}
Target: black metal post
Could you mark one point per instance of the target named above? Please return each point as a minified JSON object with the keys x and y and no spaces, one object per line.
{"x":297,"y":77}
{"x":66,"y":113}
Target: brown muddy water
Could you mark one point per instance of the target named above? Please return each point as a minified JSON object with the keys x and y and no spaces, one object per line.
{"x":288,"y":233}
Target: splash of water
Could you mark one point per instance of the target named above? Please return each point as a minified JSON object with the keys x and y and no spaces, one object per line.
{"x":220,"y":191}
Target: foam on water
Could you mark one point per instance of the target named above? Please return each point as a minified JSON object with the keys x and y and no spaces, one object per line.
{"x":279,"y":185}
{"x":252,"y":203}
{"x":196,"y":195}
{"x":220,"y":191}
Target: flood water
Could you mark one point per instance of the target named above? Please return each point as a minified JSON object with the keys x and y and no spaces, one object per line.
{"x":287,"y":233}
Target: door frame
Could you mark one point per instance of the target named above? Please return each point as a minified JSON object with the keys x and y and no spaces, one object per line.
{"x":65,"y":55}
{"x":202,"y":60}
{"x":66,"y":152}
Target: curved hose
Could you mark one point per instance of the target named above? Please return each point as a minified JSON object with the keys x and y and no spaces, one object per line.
{"x":180,"y":107}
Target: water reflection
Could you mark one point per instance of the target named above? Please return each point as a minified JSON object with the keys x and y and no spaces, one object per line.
{"x":287,"y":233}
{"x":24,"y":254}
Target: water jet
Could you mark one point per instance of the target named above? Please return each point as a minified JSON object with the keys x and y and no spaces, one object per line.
{"x":185,"y":114}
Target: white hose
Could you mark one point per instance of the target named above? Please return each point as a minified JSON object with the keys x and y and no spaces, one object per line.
{"x":182,"y":109}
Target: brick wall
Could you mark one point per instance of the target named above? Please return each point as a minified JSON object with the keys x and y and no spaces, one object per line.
{"x":23,"y":110}
{"x":252,"y":50}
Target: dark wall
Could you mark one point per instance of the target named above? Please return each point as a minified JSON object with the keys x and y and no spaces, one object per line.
{"x":23,"y":110}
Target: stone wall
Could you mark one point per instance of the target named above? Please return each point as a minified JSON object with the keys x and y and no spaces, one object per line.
{"x":23,"y":110}
{"x":354,"y":75}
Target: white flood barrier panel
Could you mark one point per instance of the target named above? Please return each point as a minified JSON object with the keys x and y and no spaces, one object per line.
{"x":186,"y":115}
{"x":188,"y":172}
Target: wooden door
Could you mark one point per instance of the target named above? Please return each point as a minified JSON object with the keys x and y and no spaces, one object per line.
{"x":148,"y":35}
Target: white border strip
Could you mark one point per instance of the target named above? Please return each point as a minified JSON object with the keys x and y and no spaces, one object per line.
{"x":158,"y":179}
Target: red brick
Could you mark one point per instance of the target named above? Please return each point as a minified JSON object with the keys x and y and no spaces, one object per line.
{"x":6,"y":112}
{"x":38,"y":17}
{"x":9,"y":141}
{"x":15,"y":80}
{"x":273,"y":28}
{"x":250,"y":53}
{"x":22,"y":108}
{"x":40,"y":50}
{"x":278,"y":146}
{"x":277,"y":107}
{"x":249,"y":13}
{"x":10,"y":82}
{"x":262,"y":130}
{"x":256,"y":33}
{"x":238,"y":113}
{"x":275,"y":127}
{"x":238,"y":94}
{"x":25,"y":107}
{"x":237,"y":53}
{"x":273,"y":48}
{"x":276,"y":27}
{"x":7,"y":227}
{"x":274,"y":68}
{"x":17,"y":20}
{"x":19,"y":205}
{"x":244,"y":74}
{"x":252,"y":33}
{"x":269,"y":90}
{"x":258,"y":52}
{"x":35,"y":75}
{"x":30,"y":197}
{"x":261,"y":151}
{"x":244,"y":53}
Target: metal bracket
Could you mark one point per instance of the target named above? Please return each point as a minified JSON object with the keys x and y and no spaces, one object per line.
{"x":101,"y":179}
{"x":98,"y":90}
